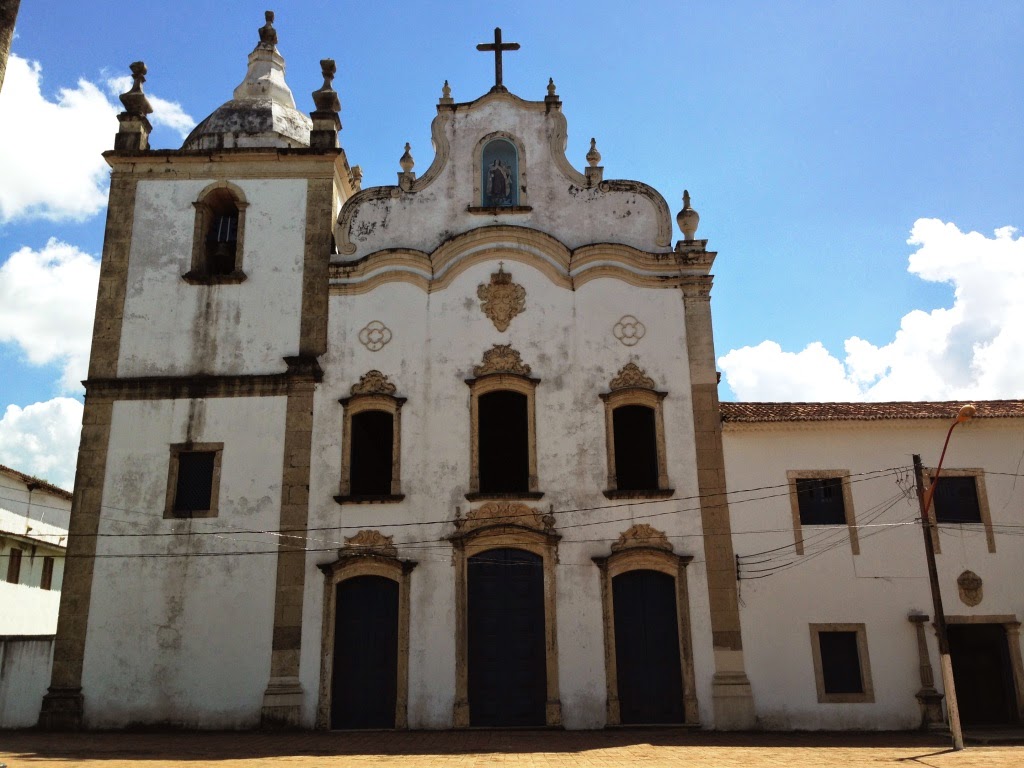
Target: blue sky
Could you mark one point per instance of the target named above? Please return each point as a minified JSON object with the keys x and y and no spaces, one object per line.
{"x":814,"y":138}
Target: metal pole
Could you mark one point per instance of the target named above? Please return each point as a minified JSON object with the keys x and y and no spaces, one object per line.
{"x":945,"y":663}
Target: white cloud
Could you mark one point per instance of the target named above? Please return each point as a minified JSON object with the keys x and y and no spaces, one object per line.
{"x":50,"y":160}
{"x":166,"y":113}
{"x":47,"y":301}
{"x":973,"y":349}
{"x":42,"y":439}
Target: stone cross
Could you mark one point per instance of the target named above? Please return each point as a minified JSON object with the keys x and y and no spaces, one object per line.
{"x":497,"y":46}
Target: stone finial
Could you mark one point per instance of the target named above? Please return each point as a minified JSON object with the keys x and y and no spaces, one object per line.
{"x":134,"y":100}
{"x":593,"y":156}
{"x":268,"y":35}
{"x":326,"y":99}
{"x":688,"y":218}
{"x":551,"y":88}
{"x":406,"y":160}
{"x":446,"y":90}
{"x":357,"y":174}
{"x":134,"y":127}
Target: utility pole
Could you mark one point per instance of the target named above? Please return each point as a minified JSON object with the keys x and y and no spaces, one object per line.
{"x":945,"y":663}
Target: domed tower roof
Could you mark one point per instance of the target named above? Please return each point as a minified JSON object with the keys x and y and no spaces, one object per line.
{"x":262,"y":111}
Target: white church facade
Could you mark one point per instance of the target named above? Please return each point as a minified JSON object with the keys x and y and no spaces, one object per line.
{"x":449,"y":453}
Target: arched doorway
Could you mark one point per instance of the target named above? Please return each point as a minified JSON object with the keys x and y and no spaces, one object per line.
{"x":650,"y":679}
{"x":364,"y":684}
{"x":507,"y":675}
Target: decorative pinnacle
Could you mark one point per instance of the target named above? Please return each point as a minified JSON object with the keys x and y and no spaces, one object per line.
{"x":268,"y":35}
{"x":406,"y":161}
{"x":551,"y":88}
{"x":326,"y":99}
{"x":446,"y":91}
{"x":593,"y":156}
{"x":688,"y":218}
{"x":134,"y":100}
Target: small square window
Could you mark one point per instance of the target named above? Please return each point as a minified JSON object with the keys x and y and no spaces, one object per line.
{"x":821,"y":501}
{"x":956,"y":500}
{"x":960,"y":497}
{"x":193,"y":482}
{"x":842,"y":672}
{"x":821,"y":497}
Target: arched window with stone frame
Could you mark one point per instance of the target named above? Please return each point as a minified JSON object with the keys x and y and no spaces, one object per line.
{"x":218,"y":235}
{"x":371,"y":442}
{"x":635,"y":437}
{"x":503,"y":442}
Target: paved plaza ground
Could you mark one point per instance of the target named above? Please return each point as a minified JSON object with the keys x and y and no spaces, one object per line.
{"x":641,"y":748}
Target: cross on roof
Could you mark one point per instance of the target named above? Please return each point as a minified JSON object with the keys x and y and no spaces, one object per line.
{"x":497,"y":46}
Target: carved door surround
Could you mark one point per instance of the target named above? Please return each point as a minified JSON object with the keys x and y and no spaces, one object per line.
{"x":643,"y":547}
{"x":368,"y":553}
{"x":500,"y":525}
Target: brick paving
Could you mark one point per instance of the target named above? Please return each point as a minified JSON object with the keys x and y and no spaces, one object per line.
{"x":641,"y":748}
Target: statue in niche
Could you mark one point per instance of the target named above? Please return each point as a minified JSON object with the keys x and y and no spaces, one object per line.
{"x":500,"y":174}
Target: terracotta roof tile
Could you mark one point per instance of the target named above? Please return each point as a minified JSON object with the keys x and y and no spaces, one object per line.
{"x":767,"y":412}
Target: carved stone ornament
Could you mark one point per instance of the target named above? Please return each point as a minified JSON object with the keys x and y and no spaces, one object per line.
{"x":970,"y":588}
{"x":632,"y":375}
{"x":371,"y":542}
{"x":642,"y":535}
{"x":375,"y":335}
{"x":373,"y":383}
{"x":502,"y":299}
{"x":510,"y":512}
{"x":501,"y":358}
{"x":629,"y":330}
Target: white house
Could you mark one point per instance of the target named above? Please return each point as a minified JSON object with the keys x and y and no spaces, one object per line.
{"x":33,"y":539}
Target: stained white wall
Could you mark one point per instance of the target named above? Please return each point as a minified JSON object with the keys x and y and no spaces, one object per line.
{"x":24,"y":676}
{"x":882,"y":584}
{"x":185,"y":639}
{"x":174,"y":328}
{"x":566,"y":337}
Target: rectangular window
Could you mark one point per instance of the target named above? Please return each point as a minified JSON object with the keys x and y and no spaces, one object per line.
{"x":956,"y":500}
{"x":821,"y":501}
{"x":46,"y":581}
{"x":14,"y":566}
{"x":842,"y":672}
{"x":960,"y":497}
{"x":193,"y":480}
{"x":821,"y":497}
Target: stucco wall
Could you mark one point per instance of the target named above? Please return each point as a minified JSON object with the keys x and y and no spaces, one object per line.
{"x":882,"y":584}
{"x":185,"y":639}
{"x":566,"y":337}
{"x":174,"y":328}
{"x":24,"y":675}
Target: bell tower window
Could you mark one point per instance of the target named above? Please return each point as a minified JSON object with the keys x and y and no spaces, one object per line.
{"x":217,"y":245}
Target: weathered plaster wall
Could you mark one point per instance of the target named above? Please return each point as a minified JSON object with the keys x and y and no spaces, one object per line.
{"x":566,"y":337}
{"x":190,"y":642}
{"x":24,"y":674}
{"x":174,"y":328}
{"x":882,"y":584}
